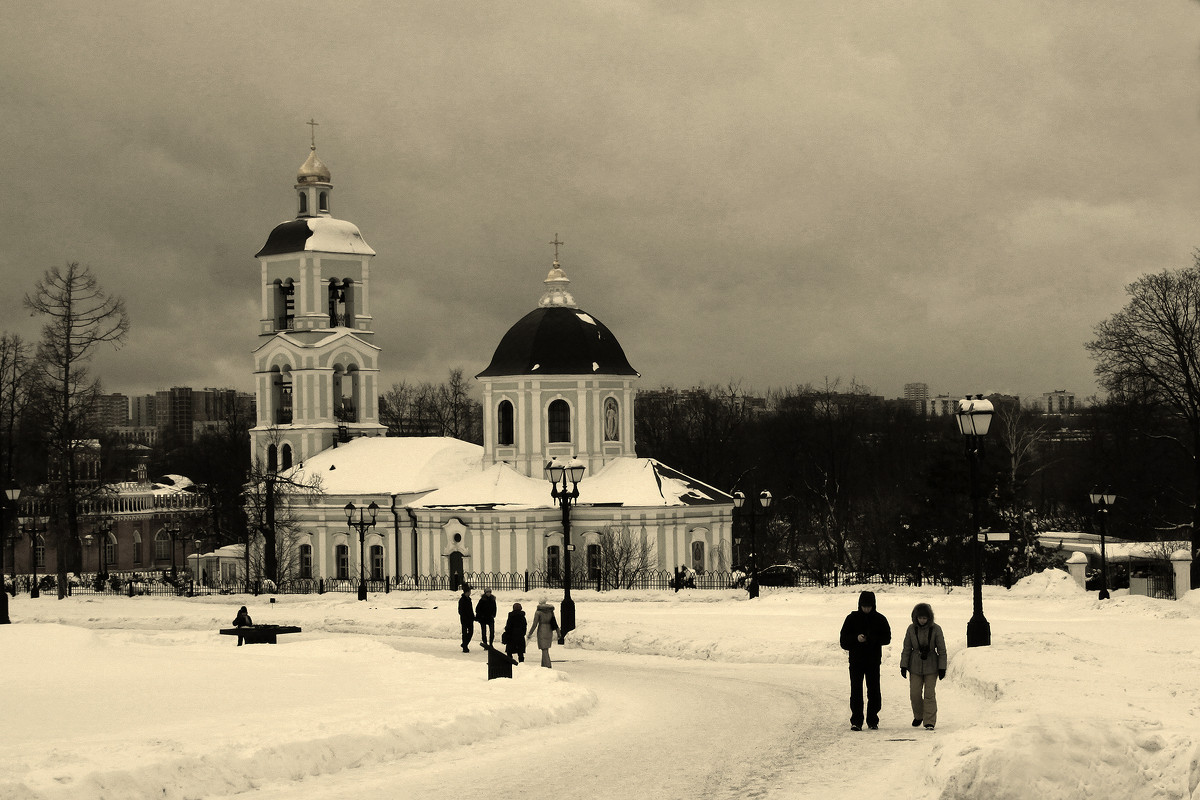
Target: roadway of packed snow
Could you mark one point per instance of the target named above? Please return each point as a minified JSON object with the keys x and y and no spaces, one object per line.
{"x":118,"y":697}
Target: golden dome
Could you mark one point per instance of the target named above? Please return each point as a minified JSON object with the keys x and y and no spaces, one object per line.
{"x":314,"y":170}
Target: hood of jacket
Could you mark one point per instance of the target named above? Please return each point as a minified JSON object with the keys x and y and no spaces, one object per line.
{"x":922,"y":610}
{"x":867,"y":599}
{"x":546,"y":607}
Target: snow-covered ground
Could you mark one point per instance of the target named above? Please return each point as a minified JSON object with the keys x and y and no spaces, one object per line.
{"x":119,"y":697}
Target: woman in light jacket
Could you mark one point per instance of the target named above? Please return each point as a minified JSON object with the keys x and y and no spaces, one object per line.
{"x":923,"y":662}
{"x":545,"y":626}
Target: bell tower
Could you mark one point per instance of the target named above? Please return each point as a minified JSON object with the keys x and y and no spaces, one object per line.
{"x":316,"y":367}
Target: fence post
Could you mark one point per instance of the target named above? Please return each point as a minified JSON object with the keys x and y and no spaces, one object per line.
{"x":1181,"y":560}
{"x":526,"y":581}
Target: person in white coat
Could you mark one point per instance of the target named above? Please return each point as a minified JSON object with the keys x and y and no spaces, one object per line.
{"x":546,"y":627}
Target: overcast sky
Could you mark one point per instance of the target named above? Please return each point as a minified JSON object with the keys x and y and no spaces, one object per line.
{"x":771,"y":193}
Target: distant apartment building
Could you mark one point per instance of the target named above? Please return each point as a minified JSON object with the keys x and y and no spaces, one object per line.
{"x":110,"y":411}
{"x":940,"y":406}
{"x":916,"y":395}
{"x":1058,"y":402}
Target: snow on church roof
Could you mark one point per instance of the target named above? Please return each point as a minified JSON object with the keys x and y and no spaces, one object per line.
{"x":628,"y":482}
{"x":386,"y":465}
{"x":315,"y":234}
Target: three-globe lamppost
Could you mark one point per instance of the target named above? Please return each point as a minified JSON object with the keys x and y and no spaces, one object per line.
{"x":1103,"y":500}
{"x":974,"y":417}
{"x":99,"y":536}
{"x":362,"y":525}
{"x":559,"y":473}
{"x":739,"y":500}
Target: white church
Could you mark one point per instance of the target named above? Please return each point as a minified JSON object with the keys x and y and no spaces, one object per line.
{"x":558,"y":386}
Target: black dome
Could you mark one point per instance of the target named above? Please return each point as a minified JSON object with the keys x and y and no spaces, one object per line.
{"x":558,"y":341}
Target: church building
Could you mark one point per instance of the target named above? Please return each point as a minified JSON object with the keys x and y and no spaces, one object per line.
{"x":558,"y":386}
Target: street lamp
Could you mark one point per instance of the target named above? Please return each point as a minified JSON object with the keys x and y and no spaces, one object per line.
{"x":974,"y":417}
{"x":173,"y":529}
{"x":1102,"y":500}
{"x":739,"y":500}
{"x":361,"y":525}
{"x":195,"y":570}
{"x":11,"y":494}
{"x":33,"y":530}
{"x":559,"y":473}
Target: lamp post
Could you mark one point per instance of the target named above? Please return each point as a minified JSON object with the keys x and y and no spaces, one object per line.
{"x":33,"y":530}
{"x":974,"y":417}
{"x":559,"y":473}
{"x":361,"y":525}
{"x":100,"y":529}
{"x":12,"y":493}
{"x":739,"y":500}
{"x":173,"y":529}
{"x":1102,"y":500}
{"x":198,"y":542}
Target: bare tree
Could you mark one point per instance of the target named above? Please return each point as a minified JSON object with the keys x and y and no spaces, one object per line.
{"x":625,"y":559}
{"x":433,"y":409}
{"x":271,"y":500}
{"x":1152,"y":348}
{"x":81,"y":318}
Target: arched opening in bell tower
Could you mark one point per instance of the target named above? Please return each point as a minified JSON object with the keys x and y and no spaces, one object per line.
{"x":281,"y":394}
{"x":283,"y":304}
{"x":341,"y":303}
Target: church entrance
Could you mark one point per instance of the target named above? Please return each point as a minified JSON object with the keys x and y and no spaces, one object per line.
{"x":456,"y":571}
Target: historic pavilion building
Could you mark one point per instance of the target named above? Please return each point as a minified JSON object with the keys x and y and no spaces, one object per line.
{"x":558,"y":385}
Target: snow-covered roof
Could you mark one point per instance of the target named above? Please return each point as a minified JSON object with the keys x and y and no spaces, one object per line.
{"x":386,"y":465}
{"x":315,"y":234}
{"x":628,"y":482}
{"x":1114,"y":549}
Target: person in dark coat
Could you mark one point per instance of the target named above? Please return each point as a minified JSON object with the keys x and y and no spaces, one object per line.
{"x":864,"y":634}
{"x":466,"y":615}
{"x":485,"y":615}
{"x":514,"y":633}
{"x":923,"y":662}
{"x":242,"y":620}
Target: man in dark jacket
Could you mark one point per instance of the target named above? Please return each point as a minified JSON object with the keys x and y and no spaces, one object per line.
{"x":485,"y":615}
{"x":864,"y":633}
{"x":466,"y":615}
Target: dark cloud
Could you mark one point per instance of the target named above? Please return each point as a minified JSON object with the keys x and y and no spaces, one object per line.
{"x":774,"y":193}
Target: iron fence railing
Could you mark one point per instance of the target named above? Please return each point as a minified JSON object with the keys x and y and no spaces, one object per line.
{"x":162,"y":583}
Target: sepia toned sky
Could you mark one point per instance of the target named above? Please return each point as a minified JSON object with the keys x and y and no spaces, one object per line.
{"x":768,"y":193}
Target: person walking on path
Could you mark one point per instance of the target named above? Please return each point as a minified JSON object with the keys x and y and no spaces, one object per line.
{"x":467,"y":617}
{"x":923,"y":662}
{"x":864,"y":634}
{"x":485,"y":615}
{"x":545,"y":626}
{"x":513,"y":637}
{"x":242,"y":620}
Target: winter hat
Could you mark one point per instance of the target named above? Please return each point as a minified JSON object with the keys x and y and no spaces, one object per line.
{"x":866,"y":599}
{"x":922,"y":610}
{"x":487,"y":591}
{"x":516,"y":606}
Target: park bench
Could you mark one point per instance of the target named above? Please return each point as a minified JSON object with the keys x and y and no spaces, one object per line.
{"x":260,"y":634}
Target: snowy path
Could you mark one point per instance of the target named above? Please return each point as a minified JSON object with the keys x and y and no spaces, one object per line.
{"x":660,"y":730}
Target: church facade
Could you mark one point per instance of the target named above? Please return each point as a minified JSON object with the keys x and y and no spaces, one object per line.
{"x":558,"y":386}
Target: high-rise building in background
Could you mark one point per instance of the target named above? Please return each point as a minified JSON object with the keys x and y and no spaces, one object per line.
{"x":110,"y":411}
{"x":916,"y":394}
{"x":1059,"y":401}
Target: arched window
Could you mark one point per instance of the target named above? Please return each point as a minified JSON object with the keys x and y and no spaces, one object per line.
{"x":306,"y":561}
{"x":323,"y":201}
{"x":342,"y":556}
{"x":282,"y":391}
{"x":137,"y":547}
{"x":593,"y":562}
{"x":110,"y":549}
{"x":559,"y":421}
{"x":376,"y":562}
{"x":303,"y":203}
{"x":286,"y":461}
{"x":698,"y":556}
{"x":39,"y":552}
{"x":553,"y":563}
{"x":162,"y":546}
{"x":285,"y":305}
{"x":504,"y":423}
